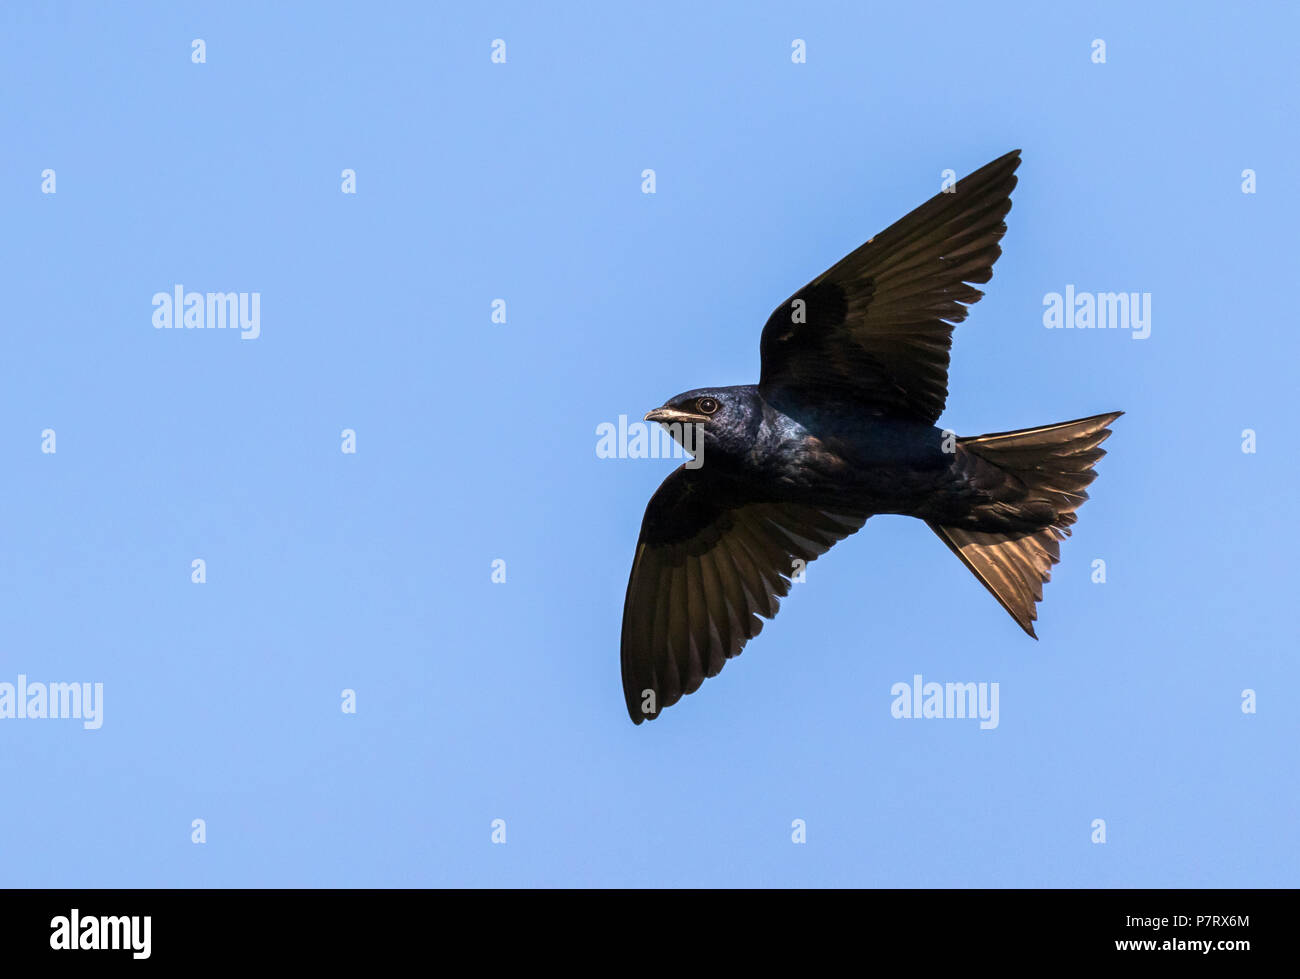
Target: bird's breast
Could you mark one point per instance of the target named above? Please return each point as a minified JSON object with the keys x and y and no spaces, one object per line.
{"x":880,"y":466}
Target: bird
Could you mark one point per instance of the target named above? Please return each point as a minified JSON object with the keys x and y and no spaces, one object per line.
{"x":840,"y":427}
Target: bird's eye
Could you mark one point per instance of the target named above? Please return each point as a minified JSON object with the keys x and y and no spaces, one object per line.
{"x":707,"y":406}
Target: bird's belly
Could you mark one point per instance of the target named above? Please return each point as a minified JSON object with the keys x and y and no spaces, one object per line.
{"x":874,"y":479}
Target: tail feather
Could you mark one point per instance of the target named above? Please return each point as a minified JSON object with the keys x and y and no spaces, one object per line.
{"x":1052,"y":466}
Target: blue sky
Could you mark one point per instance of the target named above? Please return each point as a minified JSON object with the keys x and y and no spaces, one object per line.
{"x":476,"y":441}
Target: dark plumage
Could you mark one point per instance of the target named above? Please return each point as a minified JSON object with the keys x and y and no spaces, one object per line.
{"x":841,"y":426}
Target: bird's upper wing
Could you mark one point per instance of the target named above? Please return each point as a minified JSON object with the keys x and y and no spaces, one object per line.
{"x":709,"y":561}
{"x":876,"y":328}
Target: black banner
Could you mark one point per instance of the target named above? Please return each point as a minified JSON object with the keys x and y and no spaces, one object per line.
{"x":146,"y":928}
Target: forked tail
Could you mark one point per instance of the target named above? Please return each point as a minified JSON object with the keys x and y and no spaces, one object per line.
{"x":1050,"y":467}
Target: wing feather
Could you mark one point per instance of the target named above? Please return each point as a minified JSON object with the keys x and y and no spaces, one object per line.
{"x":876,"y":328}
{"x":710,"y":566}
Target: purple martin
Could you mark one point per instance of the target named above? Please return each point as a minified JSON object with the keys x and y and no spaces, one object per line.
{"x":841,"y":426}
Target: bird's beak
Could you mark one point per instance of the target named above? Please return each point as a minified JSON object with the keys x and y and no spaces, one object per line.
{"x":668,"y":416}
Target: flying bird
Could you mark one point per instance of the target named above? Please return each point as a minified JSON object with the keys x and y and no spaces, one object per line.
{"x":841,"y":426}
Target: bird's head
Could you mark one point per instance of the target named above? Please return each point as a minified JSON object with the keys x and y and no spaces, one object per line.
{"x":726,"y":418}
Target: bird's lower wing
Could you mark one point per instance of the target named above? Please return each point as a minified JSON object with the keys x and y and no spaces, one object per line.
{"x":708,"y":563}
